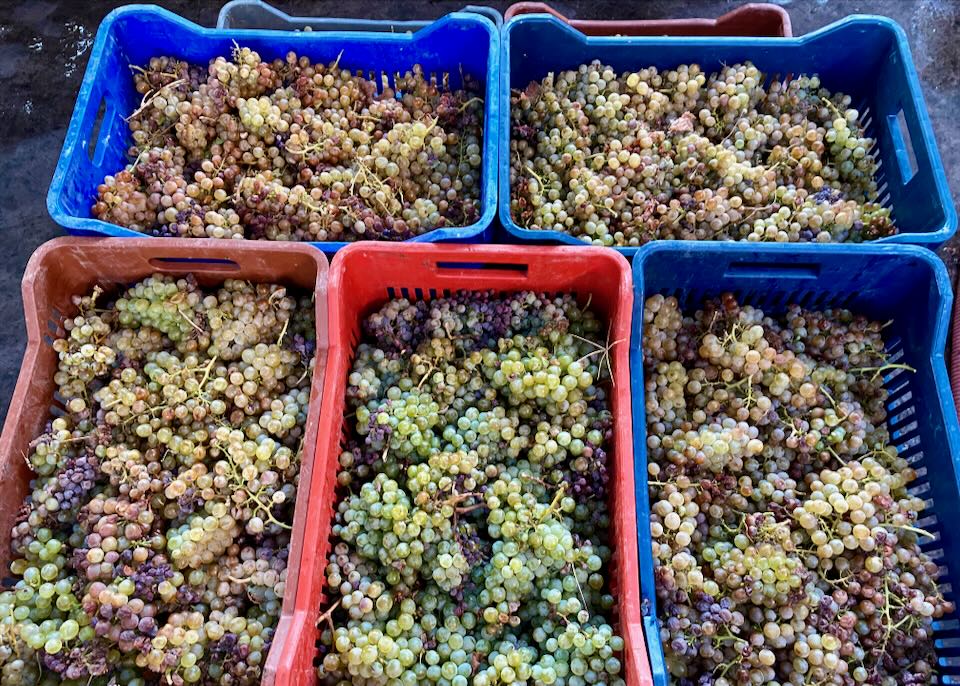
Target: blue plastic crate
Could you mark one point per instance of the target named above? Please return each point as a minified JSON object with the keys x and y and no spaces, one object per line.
{"x":866,"y":57}
{"x":257,"y":14}
{"x":906,"y":285}
{"x":459,"y":43}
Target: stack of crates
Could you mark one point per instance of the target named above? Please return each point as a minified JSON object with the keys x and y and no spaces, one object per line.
{"x":896,"y":278}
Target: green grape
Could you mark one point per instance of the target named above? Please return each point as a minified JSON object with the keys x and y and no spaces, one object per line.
{"x":684,"y":154}
{"x":783,"y":528}
{"x":153,"y":542}
{"x":475,"y":479}
{"x":407,"y":165}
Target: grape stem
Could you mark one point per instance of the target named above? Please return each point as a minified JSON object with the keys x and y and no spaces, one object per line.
{"x":795,"y":431}
{"x":206,"y":373}
{"x":836,"y":455}
{"x":720,"y":638}
{"x":836,"y":583}
{"x":137,"y":67}
{"x":555,"y":504}
{"x":531,"y":477}
{"x":739,"y":659}
{"x":191,"y":322}
{"x":37,"y":441}
{"x":151,"y":96}
{"x":913,"y":529}
{"x":426,"y":374}
{"x":266,"y":509}
{"x":888,"y":598}
{"x":605,"y":356}
{"x":829,"y":103}
{"x":258,"y":505}
{"x":749,"y":400}
{"x":327,"y":615}
{"x":305,"y":198}
{"x":97,"y":291}
{"x":878,"y":371}
{"x":8,"y":636}
{"x":306,"y":370}
{"x":460,"y":497}
{"x":651,"y":482}
{"x":468,"y":103}
{"x":583,"y":598}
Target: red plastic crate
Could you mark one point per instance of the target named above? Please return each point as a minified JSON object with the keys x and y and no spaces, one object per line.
{"x":752,"y":19}
{"x":363,"y":277}
{"x":65,"y":267}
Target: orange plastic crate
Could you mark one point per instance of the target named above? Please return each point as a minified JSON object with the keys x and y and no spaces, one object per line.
{"x":65,"y":267}
{"x":363,"y":277}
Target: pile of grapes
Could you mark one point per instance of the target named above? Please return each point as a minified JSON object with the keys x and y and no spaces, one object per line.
{"x":681,"y":154}
{"x":152,"y":547}
{"x":468,"y":549}
{"x":785,"y":539}
{"x":289,"y":150}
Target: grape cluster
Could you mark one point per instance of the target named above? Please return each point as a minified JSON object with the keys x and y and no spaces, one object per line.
{"x":291,"y":150}
{"x":786,"y":540}
{"x":623,"y":159}
{"x":468,"y":541}
{"x":152,"y":546}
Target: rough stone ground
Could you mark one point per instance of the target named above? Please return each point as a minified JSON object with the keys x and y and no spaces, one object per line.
{"x":44,"y":46}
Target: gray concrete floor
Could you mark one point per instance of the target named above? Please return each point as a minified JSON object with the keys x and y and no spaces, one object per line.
{"x":44,"y":47}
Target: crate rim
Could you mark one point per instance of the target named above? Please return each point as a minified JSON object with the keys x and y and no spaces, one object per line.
{"x":932,"y":238}
{"x":528,"y":7}
{"x":925,"y":255}
{"x":854,"y":19}
{"x":145,"y":241}
{"x":412,"y":25}
{"x":510,"y":253}
{"x":935,"y":361}
{"x":293,"y":40}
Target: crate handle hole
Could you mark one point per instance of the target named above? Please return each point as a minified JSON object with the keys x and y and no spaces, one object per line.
{"x":509,"y":267}
{"x":766,"y":270}
{"x":94,"y":144}
{"x":206,"y":264}
{"x":903,"y":146}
